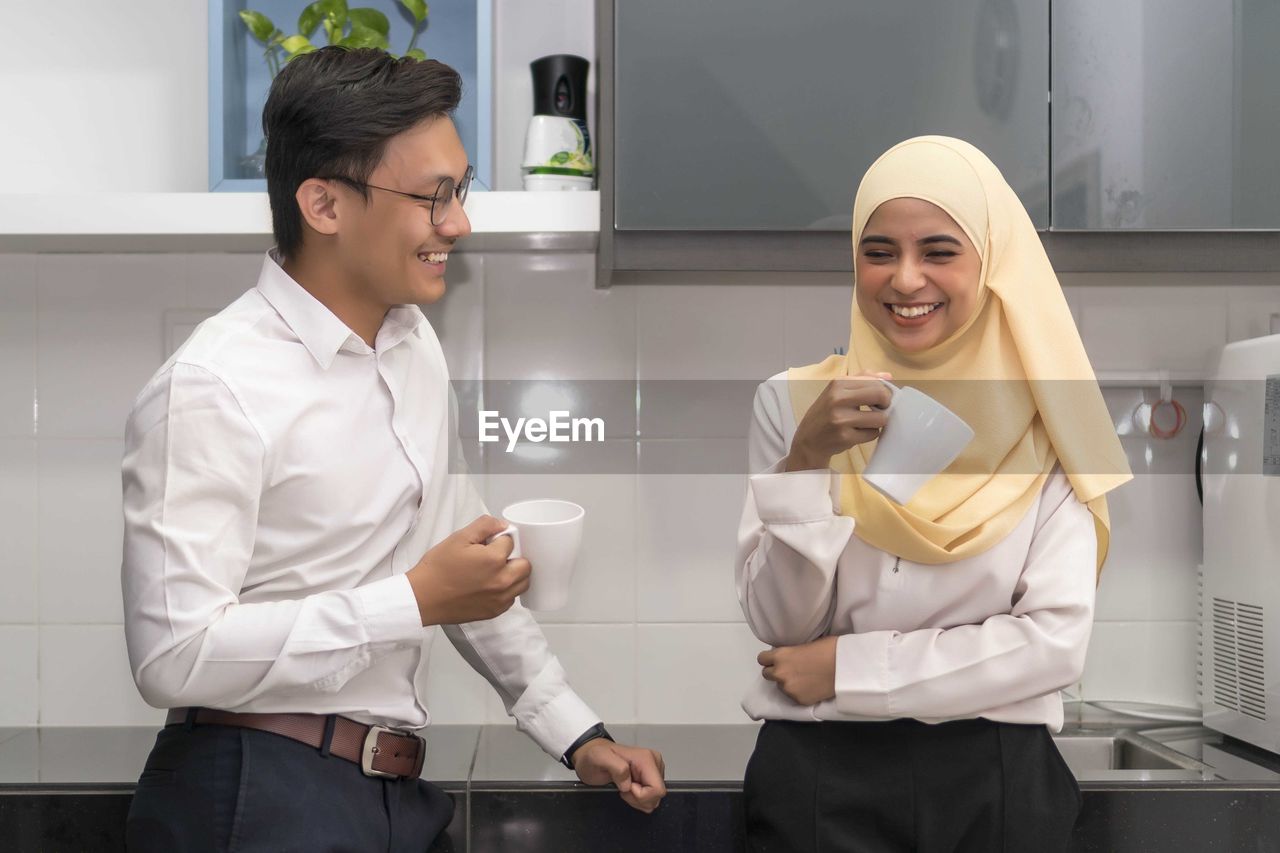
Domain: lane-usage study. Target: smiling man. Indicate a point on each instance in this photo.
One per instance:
(293, 529)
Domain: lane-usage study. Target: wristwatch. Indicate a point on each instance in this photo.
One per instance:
(596, 731)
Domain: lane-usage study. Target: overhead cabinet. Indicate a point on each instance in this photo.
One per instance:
(734, 132)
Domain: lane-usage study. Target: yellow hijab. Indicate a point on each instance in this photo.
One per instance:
(1019, 344)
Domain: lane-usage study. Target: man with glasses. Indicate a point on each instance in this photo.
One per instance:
(294, 528)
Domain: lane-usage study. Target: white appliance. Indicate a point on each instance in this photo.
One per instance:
(1240, 580)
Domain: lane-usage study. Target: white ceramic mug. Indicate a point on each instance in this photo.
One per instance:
(548, 534)
(921, 438)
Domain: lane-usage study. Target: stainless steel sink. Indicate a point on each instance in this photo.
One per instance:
(1123, 755)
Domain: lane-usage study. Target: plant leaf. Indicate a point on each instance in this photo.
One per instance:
(307, 48)
(417, 53)
(371, 18)
(259, 25)
(294, 45)
(310, 19)
(417, 8)
(362, 36)
(335, 10)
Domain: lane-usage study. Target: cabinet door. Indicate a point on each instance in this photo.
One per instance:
(1166, 114)
(758, 114)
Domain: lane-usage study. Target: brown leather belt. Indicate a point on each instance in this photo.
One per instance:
(379, 750)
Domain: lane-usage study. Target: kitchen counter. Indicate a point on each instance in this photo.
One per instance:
(69, 788)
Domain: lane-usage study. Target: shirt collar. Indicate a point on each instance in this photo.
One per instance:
(318, 328)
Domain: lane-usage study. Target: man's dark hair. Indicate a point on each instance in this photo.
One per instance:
(330, 114)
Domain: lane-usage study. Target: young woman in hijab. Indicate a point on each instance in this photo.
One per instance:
(912, 688)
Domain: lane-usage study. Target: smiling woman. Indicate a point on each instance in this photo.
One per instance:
(917, 273)
(919, 648)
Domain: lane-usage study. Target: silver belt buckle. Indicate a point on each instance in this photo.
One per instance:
(370, 750)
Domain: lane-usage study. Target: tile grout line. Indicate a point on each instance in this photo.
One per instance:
(635, 507)
(471, 769)
(35, 429)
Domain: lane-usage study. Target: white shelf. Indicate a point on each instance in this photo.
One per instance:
(180, 221)
(1148, 378)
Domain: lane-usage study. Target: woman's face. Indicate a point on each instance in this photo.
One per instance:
(917, 273)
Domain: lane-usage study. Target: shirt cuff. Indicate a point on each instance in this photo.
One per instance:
(556, 723)
(862, 674)
(390, 611)
(795, 497)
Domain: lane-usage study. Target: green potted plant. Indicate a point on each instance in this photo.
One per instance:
(360, 27)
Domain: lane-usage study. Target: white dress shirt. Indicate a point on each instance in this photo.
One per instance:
(280, 476)
(995, 635)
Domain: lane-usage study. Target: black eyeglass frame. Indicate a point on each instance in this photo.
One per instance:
(459, 191)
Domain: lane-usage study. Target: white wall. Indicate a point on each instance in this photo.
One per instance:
(79, 334)
(104, 97)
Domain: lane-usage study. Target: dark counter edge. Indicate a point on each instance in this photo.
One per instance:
(687, 787)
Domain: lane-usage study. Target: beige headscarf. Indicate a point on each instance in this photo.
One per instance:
(1020, 343)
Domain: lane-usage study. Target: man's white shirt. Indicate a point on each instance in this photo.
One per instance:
(280, 477)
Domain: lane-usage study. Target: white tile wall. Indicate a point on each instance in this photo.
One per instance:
(704, 331)
(1253, 312)
(553, 299)
(81, 531)
(817, 318)
(1142, 662)
(85, 679)
(20, 700)
(601, 663)
(216, 279)
(17, 345)
(458, 316)
(687, 534)
(1128, 327)
(695, 673)
(18, 490)
(455, 693)
(654, 633)
(95, 304)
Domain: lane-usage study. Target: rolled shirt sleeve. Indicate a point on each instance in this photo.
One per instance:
(790, 538)
(511, 653)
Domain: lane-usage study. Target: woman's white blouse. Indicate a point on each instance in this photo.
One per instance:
(994, 636)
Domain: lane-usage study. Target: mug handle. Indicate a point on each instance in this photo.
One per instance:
(893, 390)
(514, 533)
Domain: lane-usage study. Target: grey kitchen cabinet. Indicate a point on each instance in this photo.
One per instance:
(761, 115)
(733, 133)
(1166, 114)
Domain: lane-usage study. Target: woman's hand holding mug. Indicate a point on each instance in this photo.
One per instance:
(849, 411)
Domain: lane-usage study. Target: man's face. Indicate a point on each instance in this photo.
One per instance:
(389, 248)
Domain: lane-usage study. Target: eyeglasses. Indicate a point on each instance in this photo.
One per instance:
(445, 192)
